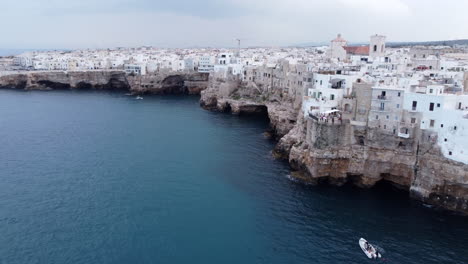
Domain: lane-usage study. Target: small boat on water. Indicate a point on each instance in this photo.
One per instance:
(139, 98)
(370, 250)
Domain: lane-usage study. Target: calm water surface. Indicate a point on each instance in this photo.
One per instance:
(103, 178)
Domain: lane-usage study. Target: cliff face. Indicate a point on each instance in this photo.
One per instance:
(161, 83)
(99, 80)
(238, 98)
(169, 83)
(340, 153)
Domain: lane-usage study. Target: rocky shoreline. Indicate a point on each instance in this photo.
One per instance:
(160, 83)
(341, 153)
(317, 152)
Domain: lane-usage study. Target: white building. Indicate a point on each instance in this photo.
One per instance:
(337, 50)
(444, 114)
(137, 69)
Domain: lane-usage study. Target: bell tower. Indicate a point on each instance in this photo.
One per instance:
(377, 46)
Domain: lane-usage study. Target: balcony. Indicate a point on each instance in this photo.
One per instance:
(382, 98)
(379, 109)
(403, 135)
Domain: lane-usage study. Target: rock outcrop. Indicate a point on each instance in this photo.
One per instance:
(239, 98)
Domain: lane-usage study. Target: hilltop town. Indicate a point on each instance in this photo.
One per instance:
(340, 112)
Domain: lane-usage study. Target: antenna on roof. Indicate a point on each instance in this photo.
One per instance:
(238, 47)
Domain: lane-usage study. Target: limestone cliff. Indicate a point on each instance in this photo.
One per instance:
(169, 83)
(159, 83)
(231, 95)
(83, 80)
(340, 153)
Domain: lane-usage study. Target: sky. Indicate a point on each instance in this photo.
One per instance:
(70, 24)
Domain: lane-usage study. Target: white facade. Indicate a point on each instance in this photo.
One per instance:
(337, 50)
(445, 114)
(206, 64)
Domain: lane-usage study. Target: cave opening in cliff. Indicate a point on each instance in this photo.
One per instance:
(228, 108)
(387, 185)
(174, 84)
(258, 111)
(84, 86)
(54, 85)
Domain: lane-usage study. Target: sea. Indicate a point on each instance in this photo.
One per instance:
(99, 177)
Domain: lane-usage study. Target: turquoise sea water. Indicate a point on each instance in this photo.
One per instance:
(103, 178)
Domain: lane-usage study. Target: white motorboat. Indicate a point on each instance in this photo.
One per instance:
(139, 98)
(370, 250)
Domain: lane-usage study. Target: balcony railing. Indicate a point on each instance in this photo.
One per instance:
(403, 135)
(379, 109)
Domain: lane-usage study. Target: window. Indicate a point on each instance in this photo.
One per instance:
(415, 104)
(384, 93)
(399, 94)
(388, 117)
(441, 125)
(438, 105)
(432, 122)
(376, 117)
(397, 105)
(445, 139)
(375, 48)
(332, 97)
(382, 106)
(455, 128)
(431, 91)
(450, 153)
(385, 127)
(431, 107)
(396, 118)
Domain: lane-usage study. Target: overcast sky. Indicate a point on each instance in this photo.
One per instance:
(185, 23)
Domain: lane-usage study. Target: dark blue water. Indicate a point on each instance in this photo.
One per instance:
(103, 178)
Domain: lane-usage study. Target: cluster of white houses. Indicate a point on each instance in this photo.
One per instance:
(396, 90)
